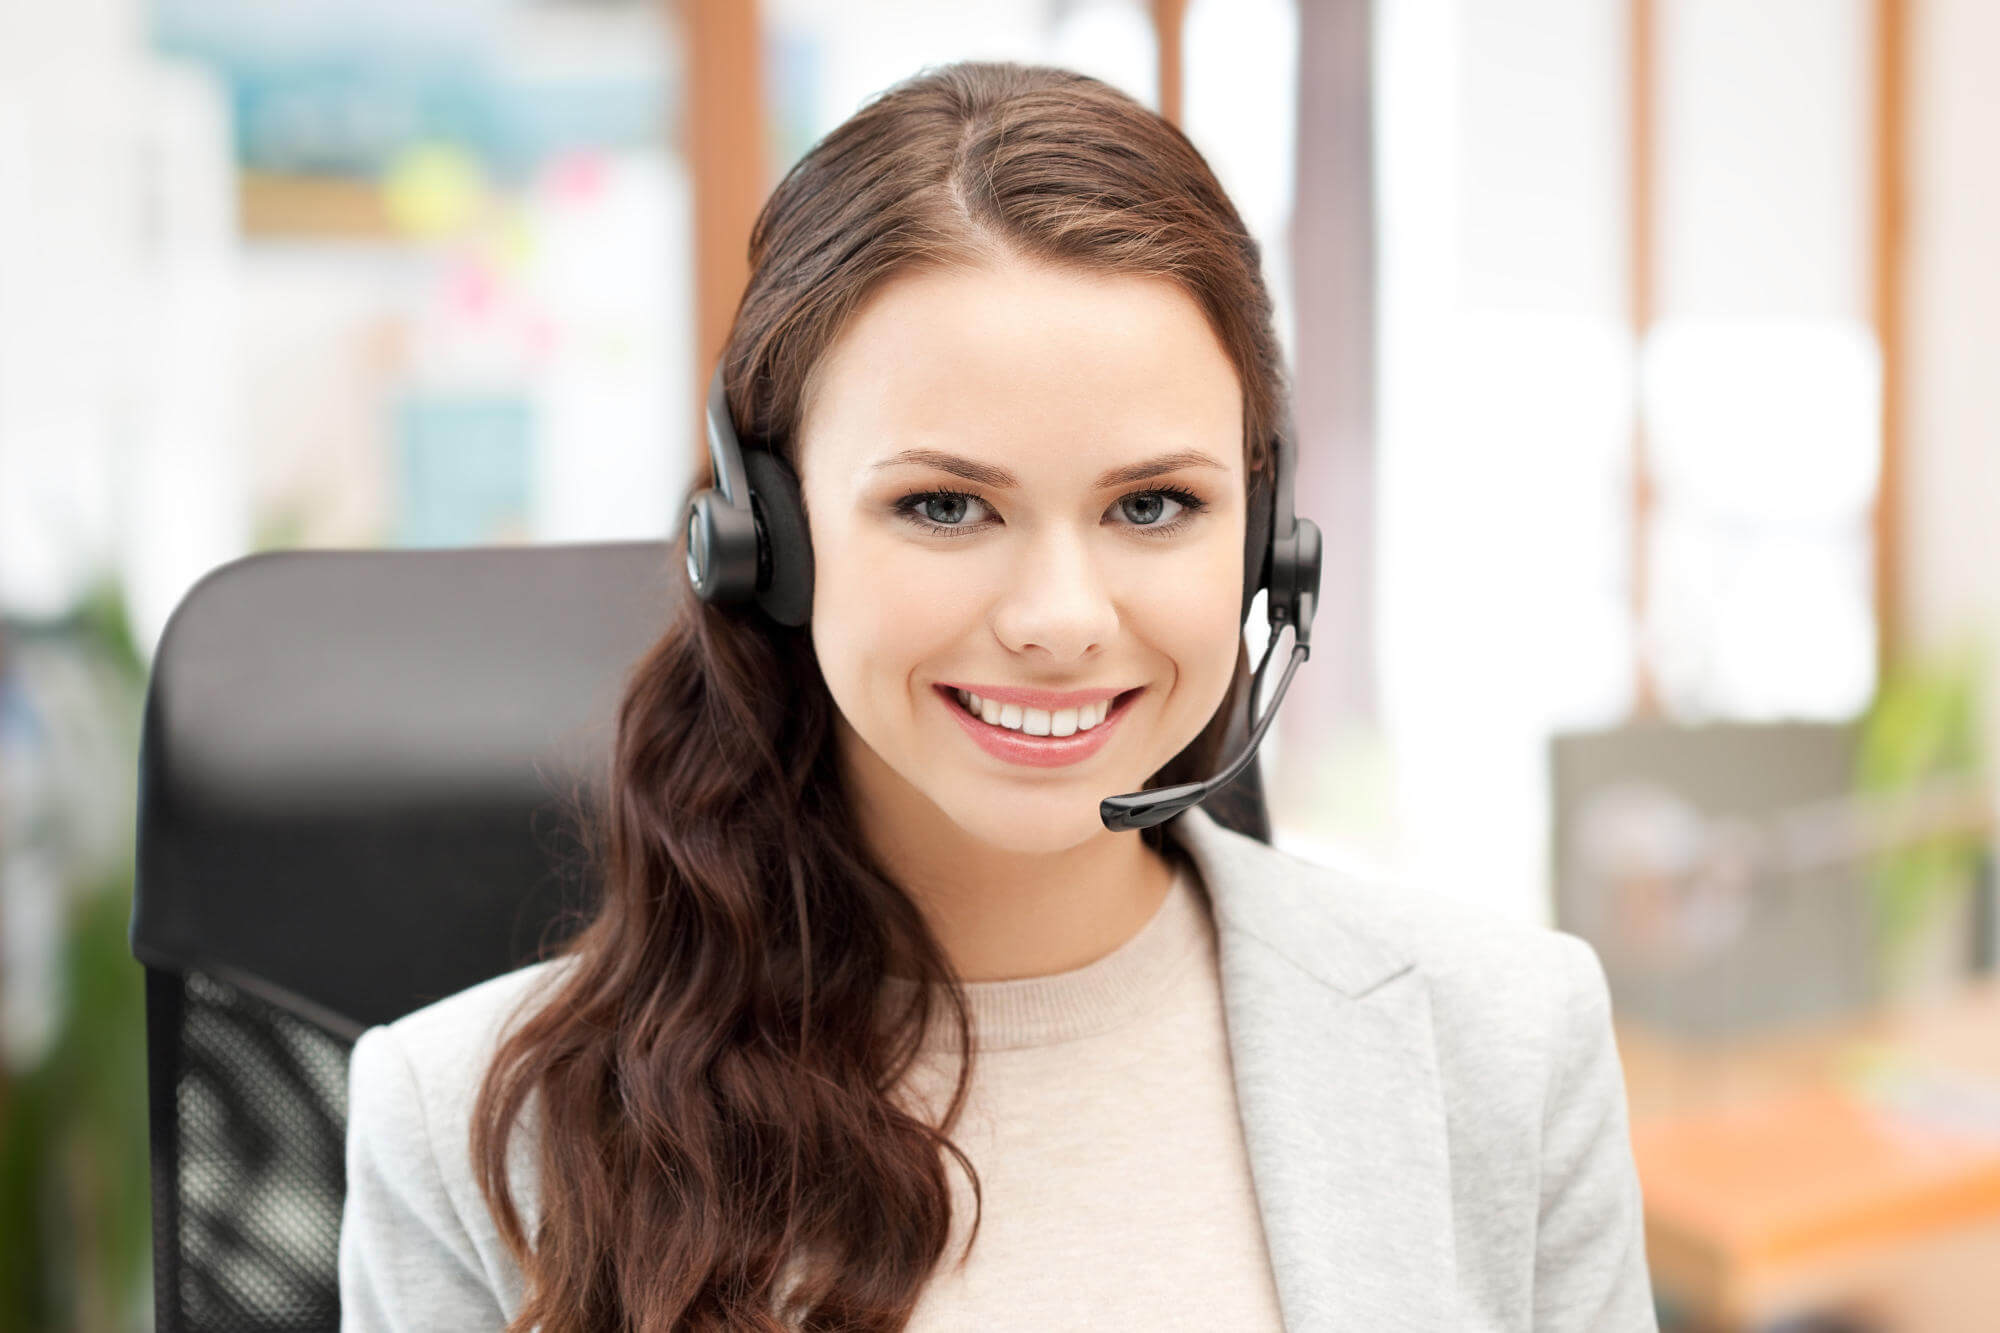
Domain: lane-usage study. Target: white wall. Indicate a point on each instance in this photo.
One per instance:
(1951, 507)
(118, 436)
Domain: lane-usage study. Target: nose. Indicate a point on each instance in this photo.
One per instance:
(1057, 600)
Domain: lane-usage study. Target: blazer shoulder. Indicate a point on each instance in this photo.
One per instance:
(1513, 1004)
(1532, 1093)
(1448, 934)
(1356, 924)
(447, 1046)
(419, 1249)
(451, 1042)
(1492, 977)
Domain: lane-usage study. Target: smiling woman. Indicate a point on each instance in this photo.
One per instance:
(1007, 348)
(1013, 340)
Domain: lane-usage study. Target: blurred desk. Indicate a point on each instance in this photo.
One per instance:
(1851, 1166)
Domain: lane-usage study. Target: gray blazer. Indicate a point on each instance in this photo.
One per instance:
(1430, 1095)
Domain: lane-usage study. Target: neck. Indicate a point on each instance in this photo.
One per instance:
(1034, 916)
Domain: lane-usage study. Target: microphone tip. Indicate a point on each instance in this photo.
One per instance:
(1143, 809)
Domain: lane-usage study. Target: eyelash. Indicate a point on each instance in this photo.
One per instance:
(1191, 505)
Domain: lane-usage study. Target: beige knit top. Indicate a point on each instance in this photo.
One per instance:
(1102, 1121)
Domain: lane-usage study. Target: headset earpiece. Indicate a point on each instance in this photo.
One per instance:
(786, 588)
(746, 535)
(1285, 547)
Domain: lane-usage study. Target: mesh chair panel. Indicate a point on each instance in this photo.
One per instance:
(256, 1181)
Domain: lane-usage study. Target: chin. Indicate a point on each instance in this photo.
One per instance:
(1031, 824)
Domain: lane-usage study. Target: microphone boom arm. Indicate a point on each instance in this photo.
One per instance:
(1143, 809)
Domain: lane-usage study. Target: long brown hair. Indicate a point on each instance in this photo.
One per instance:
(713, 1074)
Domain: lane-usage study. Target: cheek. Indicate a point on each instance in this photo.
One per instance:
(1199, 623)
(879, 609)
(1194, 621)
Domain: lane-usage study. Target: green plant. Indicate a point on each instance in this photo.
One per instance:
(75, 1202)
(1926, 722)
(75, 1222)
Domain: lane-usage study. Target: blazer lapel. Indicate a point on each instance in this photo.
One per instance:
(1330, 1035)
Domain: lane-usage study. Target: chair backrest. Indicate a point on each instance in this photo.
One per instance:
(353, 779)
(356, 776)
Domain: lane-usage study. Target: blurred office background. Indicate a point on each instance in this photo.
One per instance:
(1645, 353)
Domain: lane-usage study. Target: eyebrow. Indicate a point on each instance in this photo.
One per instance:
(987, 474)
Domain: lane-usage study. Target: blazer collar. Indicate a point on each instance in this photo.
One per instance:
(1330, 1038)
(1298, 909)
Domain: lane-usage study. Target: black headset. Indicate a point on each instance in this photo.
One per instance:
(747, 541)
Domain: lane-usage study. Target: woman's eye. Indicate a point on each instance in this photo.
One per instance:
(940, 512)
(1145, 509)
(945, 508)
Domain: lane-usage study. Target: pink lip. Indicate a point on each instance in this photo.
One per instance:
(1018, 747)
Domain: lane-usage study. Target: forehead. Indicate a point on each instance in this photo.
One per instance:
(1027, 364)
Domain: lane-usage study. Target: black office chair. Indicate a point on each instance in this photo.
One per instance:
(356, 778)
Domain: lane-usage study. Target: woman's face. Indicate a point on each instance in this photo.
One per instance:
(959, 461)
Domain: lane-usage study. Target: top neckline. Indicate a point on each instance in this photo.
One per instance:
(1101, 995)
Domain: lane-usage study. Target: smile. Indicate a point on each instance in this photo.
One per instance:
(1021, 744)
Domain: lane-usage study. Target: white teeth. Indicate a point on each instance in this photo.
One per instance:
(1035, 721)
